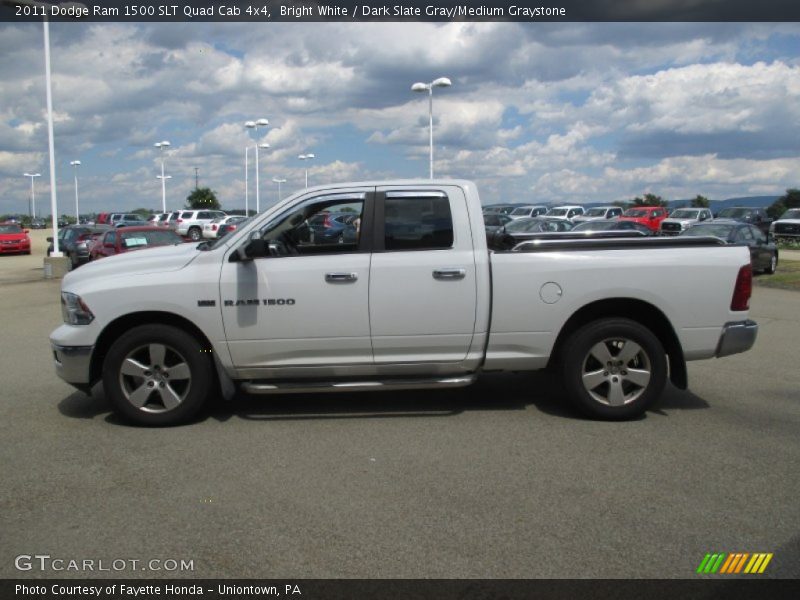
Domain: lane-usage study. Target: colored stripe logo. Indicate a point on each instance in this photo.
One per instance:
(734, 563)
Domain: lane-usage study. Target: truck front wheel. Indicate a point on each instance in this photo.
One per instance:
(614, 369)
(157, 375)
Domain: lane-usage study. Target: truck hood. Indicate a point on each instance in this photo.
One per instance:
(136, 262)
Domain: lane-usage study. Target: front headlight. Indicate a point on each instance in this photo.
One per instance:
(74, 310)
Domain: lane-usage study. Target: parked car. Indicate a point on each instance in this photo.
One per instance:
(189, 223)
(231, 226)
(328, 228)
(528, 210)
(72, 242)
(14, 239)
(681, 219)
(127, 218)
(493, 222)
(565, 212)
(612, 225)
(598, 213)
(521, 230)
(763, 253)
(788, 225)
(746, 214)
(156, 218)
(502, 209)
(103, 218)
(211, 230)
(38, 224)
(649, 216)
(130, 221)
(127, 239)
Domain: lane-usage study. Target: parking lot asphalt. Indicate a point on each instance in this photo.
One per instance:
(496, 480)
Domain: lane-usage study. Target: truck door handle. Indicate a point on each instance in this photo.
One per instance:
(340, 277)
(449, 273)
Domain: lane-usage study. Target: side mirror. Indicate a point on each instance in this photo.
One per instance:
(26, 231)
(50, 239)
(255, 248)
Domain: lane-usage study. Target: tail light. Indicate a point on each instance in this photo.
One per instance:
(213, 228)
(743, 289)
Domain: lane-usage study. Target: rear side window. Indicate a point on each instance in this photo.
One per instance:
(417, 223)
(187, 215)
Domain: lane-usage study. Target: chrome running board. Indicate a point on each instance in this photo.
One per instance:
(260, 387)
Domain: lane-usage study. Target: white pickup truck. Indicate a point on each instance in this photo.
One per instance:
(391, 285)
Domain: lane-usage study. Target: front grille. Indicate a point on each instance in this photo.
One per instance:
(671, 226)
(10, 241)
(787, 228)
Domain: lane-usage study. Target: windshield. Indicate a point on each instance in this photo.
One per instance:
(791, 214)
(719, 230)
(523, 225)
(143, 239)
(596, 212)
(596, 226)
(733, 213)
(11, 228)
(683, 213)
(635, 212)
(522, 211)
(557, 212)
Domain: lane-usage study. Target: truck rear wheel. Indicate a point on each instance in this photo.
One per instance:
(157, 375)
(614, 369)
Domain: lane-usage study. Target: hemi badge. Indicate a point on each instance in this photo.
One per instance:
(206, 303)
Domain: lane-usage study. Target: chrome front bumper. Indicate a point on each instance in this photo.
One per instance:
(72, 364)
(738, 336)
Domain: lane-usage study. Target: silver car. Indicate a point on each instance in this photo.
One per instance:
(681, 219)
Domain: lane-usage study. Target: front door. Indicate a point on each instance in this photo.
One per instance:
(303, 310)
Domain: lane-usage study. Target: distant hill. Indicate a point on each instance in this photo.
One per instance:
(716, 205)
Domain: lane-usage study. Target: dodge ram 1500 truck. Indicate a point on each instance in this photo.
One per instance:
(391, 285)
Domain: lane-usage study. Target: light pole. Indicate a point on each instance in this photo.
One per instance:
(246, 200)
(76, 164)
(255, 125)
(263, 146)
(279, 181)
(306, 157)
(428, 87)
(161, 146)
(33, 195)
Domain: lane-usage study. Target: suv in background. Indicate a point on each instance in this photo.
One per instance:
(190, 222)
(681, 219)
(565, 212)
(527, 210)
(788, 225)
(599, 213)
(649, 216)
(747, 214)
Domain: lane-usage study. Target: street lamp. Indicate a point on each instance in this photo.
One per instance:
(428, 87)
(246, 200)
(255, 125)
(161, 146)
(76, 164)
(306, 157)
(33, 195)
(279, 181)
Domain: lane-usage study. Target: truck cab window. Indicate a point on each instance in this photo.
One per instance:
(423, 223)
(321, 225)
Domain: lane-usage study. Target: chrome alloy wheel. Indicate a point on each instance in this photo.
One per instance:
(155, 378)
(616, 371)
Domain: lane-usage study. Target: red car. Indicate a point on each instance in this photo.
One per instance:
(649, 216)
(126, 239)
(14, 238)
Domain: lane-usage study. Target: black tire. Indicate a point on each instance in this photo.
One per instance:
(172, 392)
(773, 264)
(627, 383)
(195, 234)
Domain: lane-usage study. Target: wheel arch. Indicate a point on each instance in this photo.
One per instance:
(122, 324)
(637, 310)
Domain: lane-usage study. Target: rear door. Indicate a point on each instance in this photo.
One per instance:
(422, 294)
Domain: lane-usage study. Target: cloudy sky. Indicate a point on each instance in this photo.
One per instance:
(578, 112)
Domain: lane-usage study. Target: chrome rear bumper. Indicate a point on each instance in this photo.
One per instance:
(738, 336)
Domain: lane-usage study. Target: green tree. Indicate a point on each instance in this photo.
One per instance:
(791, 199)
(700, 202)
(649, 200)
(202, 198)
